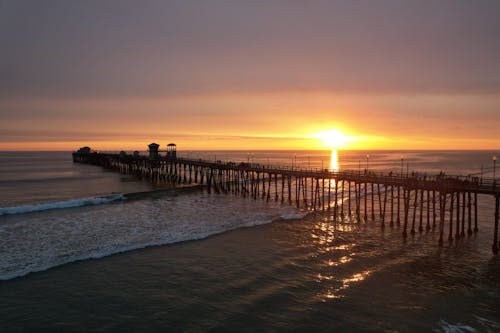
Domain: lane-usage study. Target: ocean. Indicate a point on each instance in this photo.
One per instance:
(77, 255)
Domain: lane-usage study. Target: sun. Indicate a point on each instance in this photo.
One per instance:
(333, 139)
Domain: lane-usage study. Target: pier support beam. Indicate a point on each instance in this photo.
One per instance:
(495, 232)
(475, 212)
(450, 235)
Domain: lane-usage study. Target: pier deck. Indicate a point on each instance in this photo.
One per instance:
(441, 201)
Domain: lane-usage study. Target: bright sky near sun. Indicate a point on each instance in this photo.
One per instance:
(250, 74)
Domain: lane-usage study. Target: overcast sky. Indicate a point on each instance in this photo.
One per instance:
(427, 67)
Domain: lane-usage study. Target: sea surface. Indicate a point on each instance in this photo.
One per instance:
(76, 255)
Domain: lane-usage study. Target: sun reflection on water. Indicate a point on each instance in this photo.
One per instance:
(334, 161)
(335, 274)
(323, 235)
(335, 292)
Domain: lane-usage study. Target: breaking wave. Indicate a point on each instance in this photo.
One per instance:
(37, 242)
(61, 204)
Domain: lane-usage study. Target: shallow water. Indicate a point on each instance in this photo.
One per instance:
(307, 274)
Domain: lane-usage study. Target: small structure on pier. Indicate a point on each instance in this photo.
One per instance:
(172, 150)
(84, 150)
(153, 151)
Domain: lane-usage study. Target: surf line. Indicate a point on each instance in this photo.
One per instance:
(101, 200)
(162, 192)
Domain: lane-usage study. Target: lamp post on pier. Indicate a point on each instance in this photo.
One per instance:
(367, 158)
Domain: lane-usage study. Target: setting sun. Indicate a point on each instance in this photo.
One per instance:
(333, 139)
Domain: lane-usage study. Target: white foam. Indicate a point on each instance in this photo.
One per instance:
(32, 243)
(293, 215)
(454, 328)
(60, 204)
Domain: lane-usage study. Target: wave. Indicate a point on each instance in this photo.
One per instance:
(16, 181)
(38, 243)
(72, 203)
(61, 204)
(294, 215)
(444, 326)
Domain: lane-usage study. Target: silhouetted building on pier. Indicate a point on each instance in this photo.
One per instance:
(153, 151)
(171, 150)
(84, 150)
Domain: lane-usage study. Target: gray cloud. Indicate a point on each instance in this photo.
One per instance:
(161, 48)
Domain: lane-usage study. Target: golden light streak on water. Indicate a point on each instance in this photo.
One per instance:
(334, 166)
(334, 161)
(336, 292)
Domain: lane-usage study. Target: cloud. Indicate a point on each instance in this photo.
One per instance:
(119, 49)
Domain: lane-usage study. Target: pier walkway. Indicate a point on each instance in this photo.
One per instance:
(416, 201)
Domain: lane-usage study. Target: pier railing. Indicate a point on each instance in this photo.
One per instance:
(407, 198)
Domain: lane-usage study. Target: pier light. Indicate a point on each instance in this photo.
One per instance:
(367, 158)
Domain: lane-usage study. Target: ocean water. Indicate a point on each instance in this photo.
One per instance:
(76, 255)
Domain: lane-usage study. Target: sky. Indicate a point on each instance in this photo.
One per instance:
(234, 74)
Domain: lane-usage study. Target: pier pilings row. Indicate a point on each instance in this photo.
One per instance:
(415, 202)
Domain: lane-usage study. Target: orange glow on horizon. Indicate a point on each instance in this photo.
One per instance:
(259, 121)
(214, 142)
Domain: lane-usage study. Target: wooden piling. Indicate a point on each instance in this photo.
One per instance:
(428, 223)
(414, 213)
(462, 234)
(398, 220)
(406, 202)
(495, 245)
(469, 208)
(420, 227)
(392, 206)
(372, 201)
(475, 212)
(450, 235)
(457, 232)
(442, 211)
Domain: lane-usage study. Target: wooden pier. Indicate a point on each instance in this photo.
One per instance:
(415, 202)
